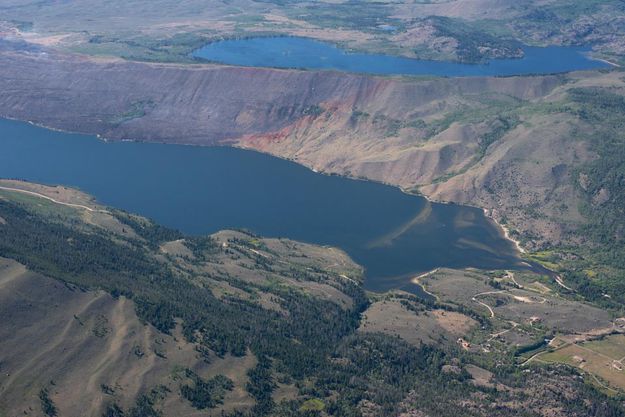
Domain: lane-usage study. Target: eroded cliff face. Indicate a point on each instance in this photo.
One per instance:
(212, 104)
(195, 105)
(478, 141)
(440, 147)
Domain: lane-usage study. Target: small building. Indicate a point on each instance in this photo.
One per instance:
(464, 343)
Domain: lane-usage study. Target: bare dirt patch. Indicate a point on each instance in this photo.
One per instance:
(176, 248)
(481, 376)
(455, 323)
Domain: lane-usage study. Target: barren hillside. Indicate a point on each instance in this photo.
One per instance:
(90, 350)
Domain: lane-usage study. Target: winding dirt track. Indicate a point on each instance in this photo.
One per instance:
(492, 312)
(561, 283)
(80, 206)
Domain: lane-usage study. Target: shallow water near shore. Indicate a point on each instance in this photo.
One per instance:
(201, 190)
(296, 52)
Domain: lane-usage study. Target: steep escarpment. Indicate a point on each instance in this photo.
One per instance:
(205, 104)
(512, 146)
(498, 143)
(200, 105)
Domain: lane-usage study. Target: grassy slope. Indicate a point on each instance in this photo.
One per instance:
(89, 351)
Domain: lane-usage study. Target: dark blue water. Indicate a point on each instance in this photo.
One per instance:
(294, 52)
(201, 190)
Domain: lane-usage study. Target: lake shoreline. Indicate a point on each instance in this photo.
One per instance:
(505, 232)
(504, 229)
(295, 52)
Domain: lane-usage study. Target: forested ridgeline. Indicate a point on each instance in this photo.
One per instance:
(596, 267)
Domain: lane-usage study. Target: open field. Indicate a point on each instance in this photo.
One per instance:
(60, 195)
(602, 358)
(509, 302)
(437, 327)
(612, 346)
(66, 203)
(314, 270)
(520, 307)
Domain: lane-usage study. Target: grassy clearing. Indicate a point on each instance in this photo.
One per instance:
(314, 404)
(612, 346)
(546, 258)
(41, 206)
(601, 358)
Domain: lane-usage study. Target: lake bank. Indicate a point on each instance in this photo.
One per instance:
(304, 53)
(224, 188)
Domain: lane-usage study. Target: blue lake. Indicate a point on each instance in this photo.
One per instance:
(200, 190)
(295, 52)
